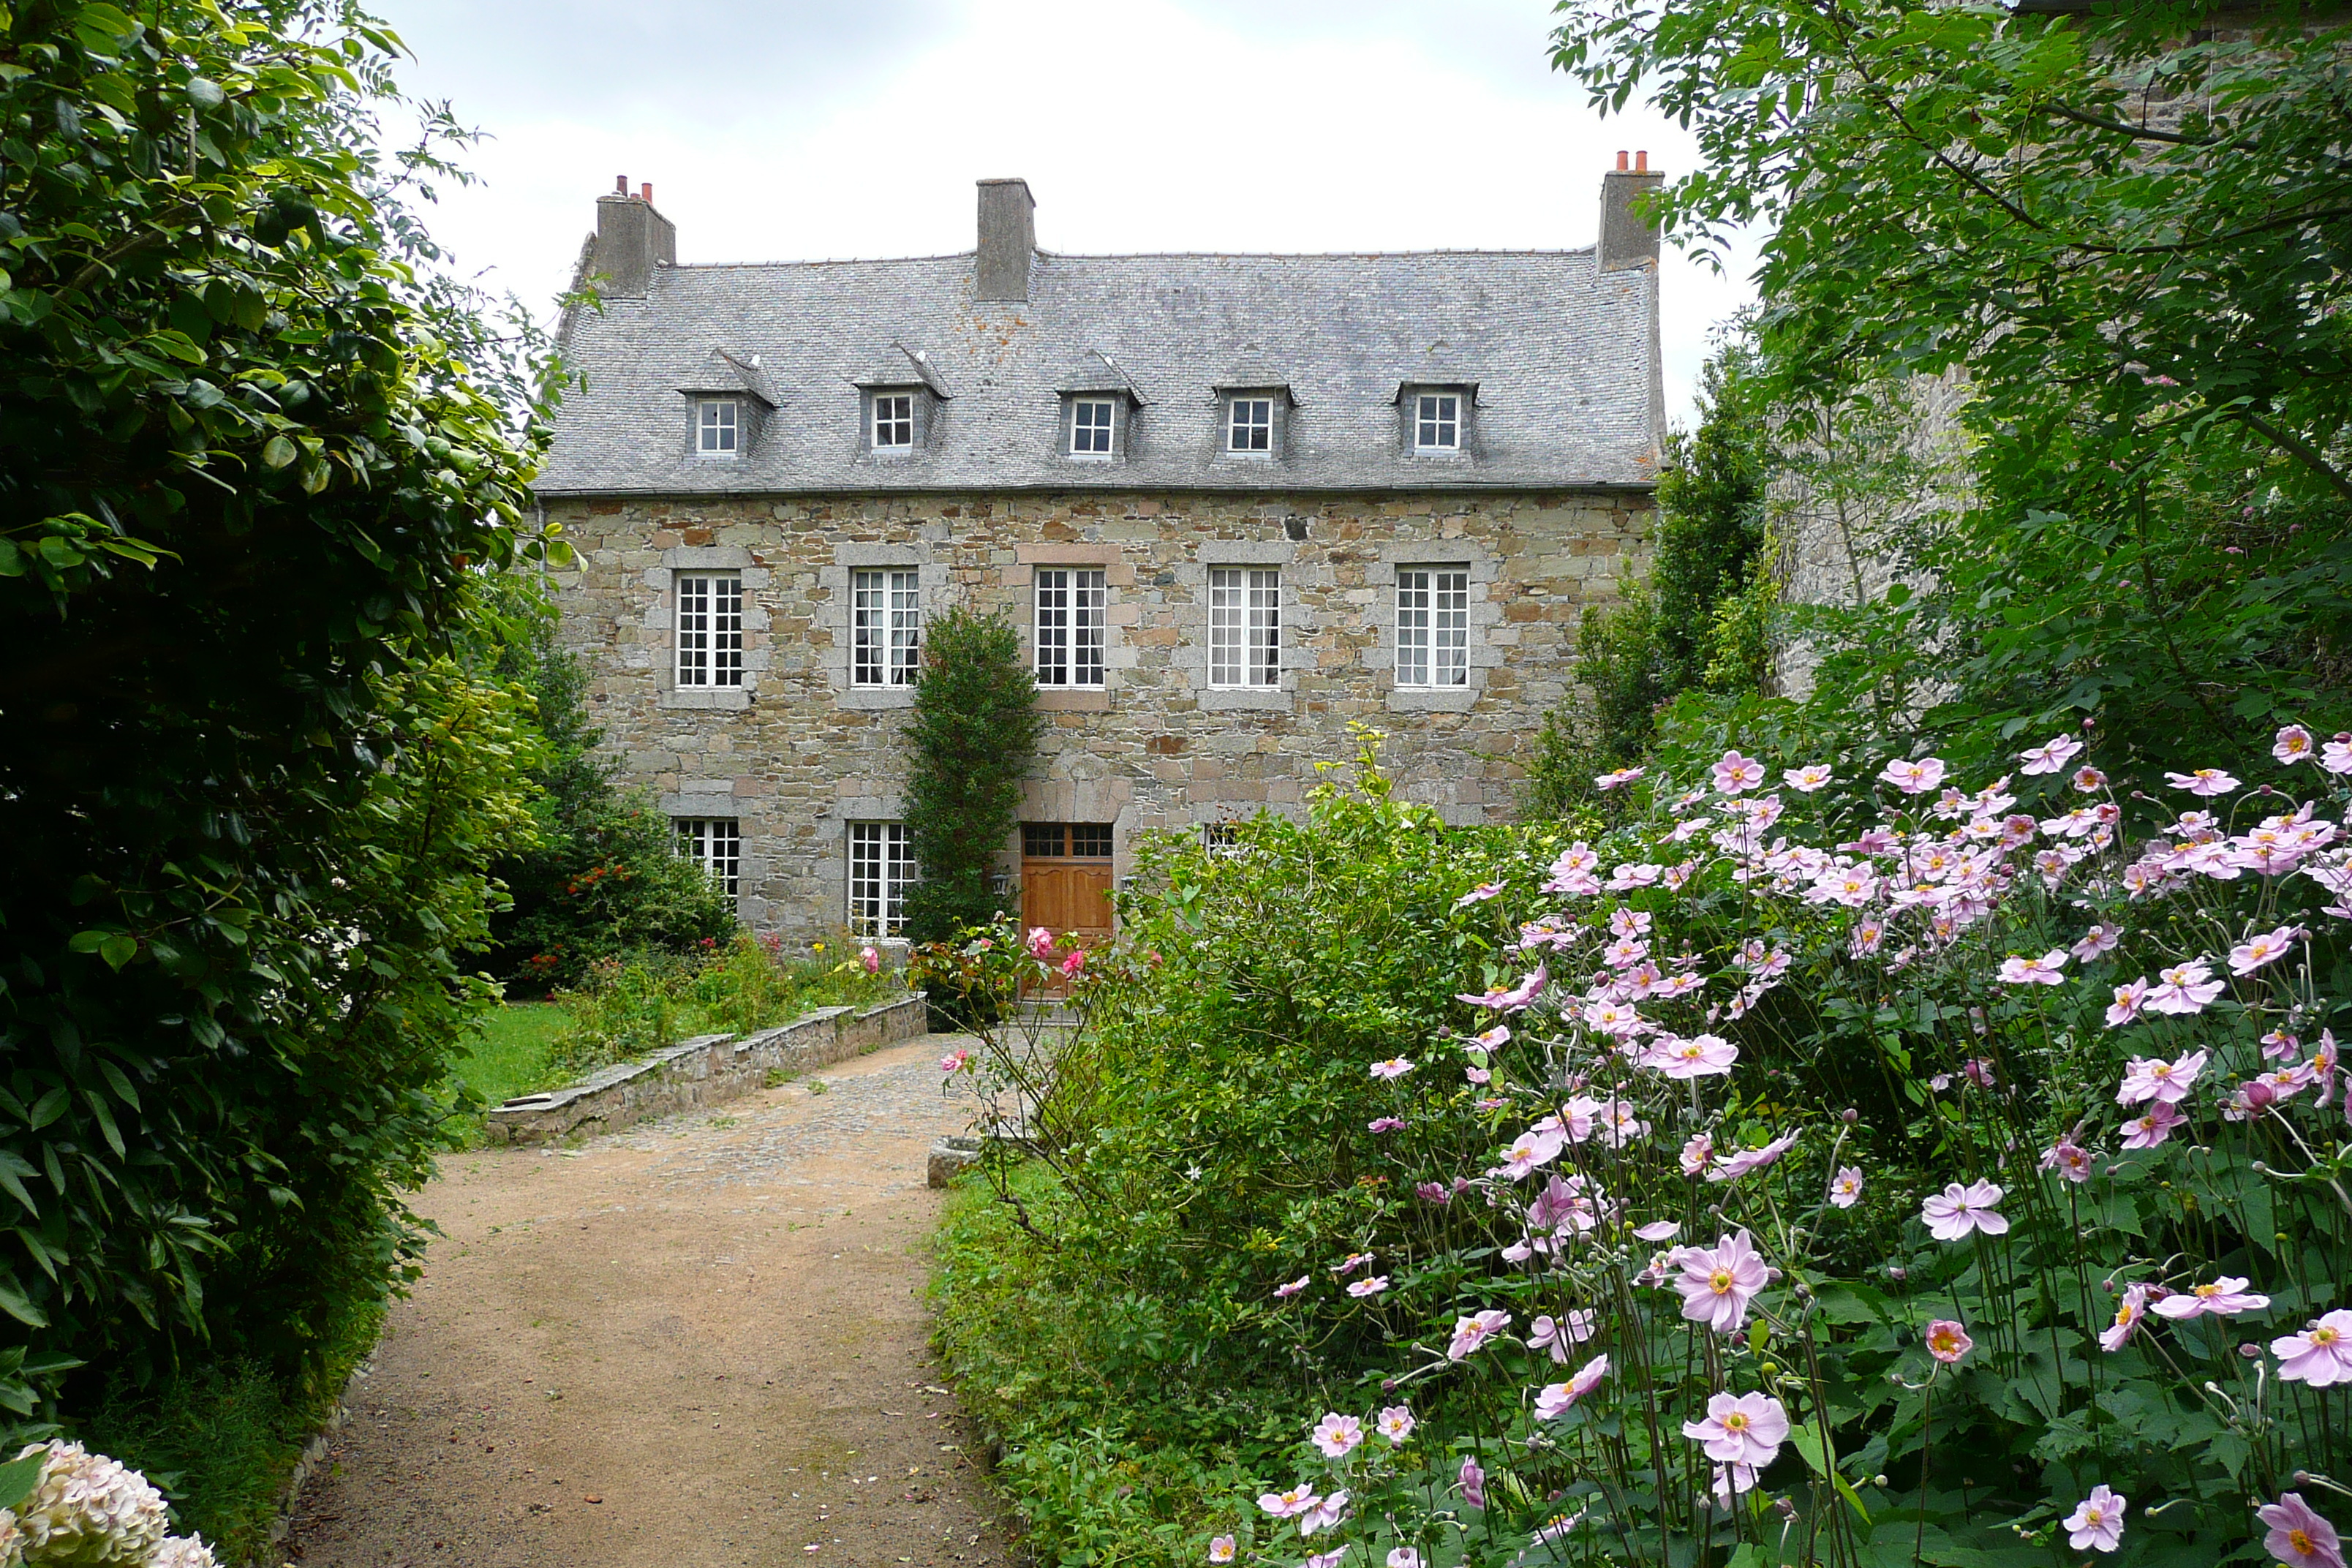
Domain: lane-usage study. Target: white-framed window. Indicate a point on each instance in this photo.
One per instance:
(715, 843)
(1219, 840)
(886, 626)
(1091, 421)
(718, 428)
(710, 629)
(1437, 422)
(1433, 625)
(881, 869)
(1249, 425)
(1244, 626)
(894, 421)
(1070, 604)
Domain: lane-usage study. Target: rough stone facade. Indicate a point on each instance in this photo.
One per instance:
(797, 754)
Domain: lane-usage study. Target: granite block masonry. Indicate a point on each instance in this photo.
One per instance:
(799, 752)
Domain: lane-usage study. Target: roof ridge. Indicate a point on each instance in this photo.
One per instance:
(1139, 255)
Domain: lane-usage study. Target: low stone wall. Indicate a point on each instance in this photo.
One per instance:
(704, 1070)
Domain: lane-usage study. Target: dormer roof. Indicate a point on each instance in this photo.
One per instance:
(901, 366)
(1096, 372)
(720, 373)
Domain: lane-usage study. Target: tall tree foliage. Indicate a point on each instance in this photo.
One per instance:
(970, 741)
(2129, 225)
(248, 449)
(1698, 621)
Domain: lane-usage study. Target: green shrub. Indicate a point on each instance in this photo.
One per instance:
(969, 743)
(630, 1007)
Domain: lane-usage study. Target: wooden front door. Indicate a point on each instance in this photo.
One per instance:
(1066, 879)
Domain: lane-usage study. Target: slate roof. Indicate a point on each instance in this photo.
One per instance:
(1564, 359)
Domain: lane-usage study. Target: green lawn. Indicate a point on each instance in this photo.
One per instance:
(510, 1053)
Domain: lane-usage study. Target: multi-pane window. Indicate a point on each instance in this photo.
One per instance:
(716, 432)
(715, 843)
(1244, 626)
(1250, 425)
(1219, 838)
(1069, 626)
(1433, 630)
(1090, 427)
(881, 869)
(894, 421)
(886, 626)
(1437, 422)
(1066, 840)
(710, 629)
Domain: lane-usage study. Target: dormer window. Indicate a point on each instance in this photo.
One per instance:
(1437, 422)
(1092, 422)
(1249, 425)
(718, 428)
(894, 421)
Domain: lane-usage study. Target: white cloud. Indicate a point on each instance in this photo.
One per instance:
(802, 130)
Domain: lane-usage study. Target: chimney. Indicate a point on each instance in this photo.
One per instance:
(1008, 238)
(1627, 239)
(631, 238)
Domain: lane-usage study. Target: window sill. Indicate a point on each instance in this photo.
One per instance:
(877, 697)
(1090, 457)
(1431, 699)
(1073, 698)
(717, 699)
(1243, 698)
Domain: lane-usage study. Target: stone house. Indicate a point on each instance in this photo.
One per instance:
(1232, 502)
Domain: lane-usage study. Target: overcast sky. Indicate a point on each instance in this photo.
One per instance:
(792, 130)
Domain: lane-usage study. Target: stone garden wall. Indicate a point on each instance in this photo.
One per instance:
(704, 1070)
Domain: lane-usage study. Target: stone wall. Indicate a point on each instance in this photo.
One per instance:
(798, 752)
(704, 1070)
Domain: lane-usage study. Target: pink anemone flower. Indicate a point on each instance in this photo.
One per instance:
(2298, 1536)
(1748, 1430)
(2320, 1353)
(2097, 1521)
(1718, 1282)
(1957, 1211)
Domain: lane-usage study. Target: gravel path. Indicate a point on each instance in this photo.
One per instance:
(697, 1344)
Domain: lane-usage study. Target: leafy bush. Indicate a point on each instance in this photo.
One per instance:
(1982, 1149)
(603, 877)
(974, 726)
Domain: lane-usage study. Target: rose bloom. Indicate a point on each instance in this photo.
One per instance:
(1041, 941)
(1221, 1548)
(1957, 1210)
(2097, 1521)
(2298, 1536)
(1717, 1283)
(1748, 1430)
(2129, 1310)
(1395, 1422)
(2225, 1296)
(1847, 1188)
(1338, 1436)
(2321, 1355)
(1475, 1330)
(954, 1061)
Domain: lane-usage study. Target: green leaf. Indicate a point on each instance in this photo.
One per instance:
(12, 560)
(120, 1084)
(19, 1476)
(50, 1106)
(118, 949)
(277, 451)
(13, 1169)
(18, 1306)
(105, 1115)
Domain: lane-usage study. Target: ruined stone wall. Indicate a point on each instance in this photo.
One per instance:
(799, 752)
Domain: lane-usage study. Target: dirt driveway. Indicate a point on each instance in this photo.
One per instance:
(699, 1344)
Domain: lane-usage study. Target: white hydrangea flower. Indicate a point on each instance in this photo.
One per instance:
(12, 1540)
(182, 1552)
(87, 1511)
